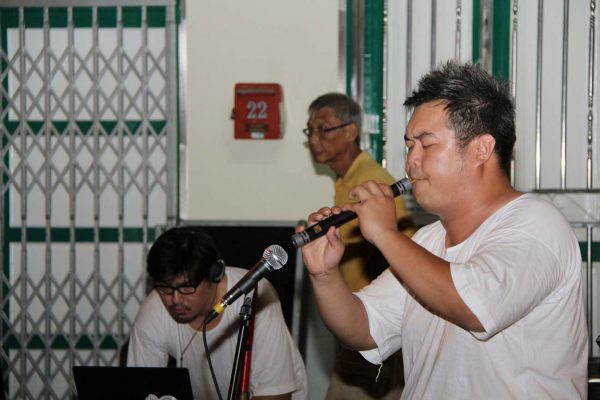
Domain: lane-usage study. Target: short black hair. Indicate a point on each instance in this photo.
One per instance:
(182, 251)
(344, 108)
(476, 104)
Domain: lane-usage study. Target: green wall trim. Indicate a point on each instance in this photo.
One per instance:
(86, 128)
(82, 235)
(108, 342)
(82, 17)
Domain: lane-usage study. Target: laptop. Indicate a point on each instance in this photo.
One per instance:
(102, 383)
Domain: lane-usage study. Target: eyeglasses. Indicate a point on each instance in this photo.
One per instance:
(183, 289)
(322, 131)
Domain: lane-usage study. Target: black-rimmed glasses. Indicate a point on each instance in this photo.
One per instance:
(321, 131)
(183, 289)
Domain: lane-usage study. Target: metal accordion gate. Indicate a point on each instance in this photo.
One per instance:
(88, 172)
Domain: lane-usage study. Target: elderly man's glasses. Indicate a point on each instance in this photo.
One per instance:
(183, 289)
(322, 131)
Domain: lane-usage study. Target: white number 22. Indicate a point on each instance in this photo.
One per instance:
(258, 110)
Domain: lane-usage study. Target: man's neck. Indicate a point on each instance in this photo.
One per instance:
(342, 164)
(198, 322)
(468, 215)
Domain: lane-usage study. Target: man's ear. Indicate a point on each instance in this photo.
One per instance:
(351, 132)
(484, 147)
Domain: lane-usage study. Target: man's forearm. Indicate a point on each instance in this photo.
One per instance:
(342, 312)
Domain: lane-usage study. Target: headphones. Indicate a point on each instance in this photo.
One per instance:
(217, 270)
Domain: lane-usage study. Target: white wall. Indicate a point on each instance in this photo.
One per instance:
(293, 43)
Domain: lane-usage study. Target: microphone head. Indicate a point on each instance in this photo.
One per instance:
(275, 256)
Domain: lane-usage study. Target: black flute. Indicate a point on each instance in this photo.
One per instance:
(320, 228)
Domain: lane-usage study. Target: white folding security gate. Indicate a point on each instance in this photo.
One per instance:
(88, 171)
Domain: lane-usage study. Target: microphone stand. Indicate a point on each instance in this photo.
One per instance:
(245, 314)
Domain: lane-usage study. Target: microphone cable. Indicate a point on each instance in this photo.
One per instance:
(210, 365)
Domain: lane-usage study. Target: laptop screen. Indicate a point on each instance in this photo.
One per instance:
(100, 383)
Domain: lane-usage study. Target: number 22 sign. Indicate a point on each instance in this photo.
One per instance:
(258, 111)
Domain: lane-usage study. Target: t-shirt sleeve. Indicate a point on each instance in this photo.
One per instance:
(510, 274)
(274, 354)
(384, 300)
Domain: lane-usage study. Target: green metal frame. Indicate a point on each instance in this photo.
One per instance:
(348, 45)
(583, 246)
(372, 75)
(500, 37)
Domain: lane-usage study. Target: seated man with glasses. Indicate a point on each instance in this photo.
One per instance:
(333, 131)
(189, 279)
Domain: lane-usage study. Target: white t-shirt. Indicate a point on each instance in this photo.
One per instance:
(520, 274)
(276, 367)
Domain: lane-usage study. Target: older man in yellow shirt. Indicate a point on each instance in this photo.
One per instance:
(333, 131)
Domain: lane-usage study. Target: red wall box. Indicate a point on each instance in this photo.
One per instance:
(258, 111)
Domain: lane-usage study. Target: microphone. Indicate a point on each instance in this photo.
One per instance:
(274, 257)
(320, 228)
